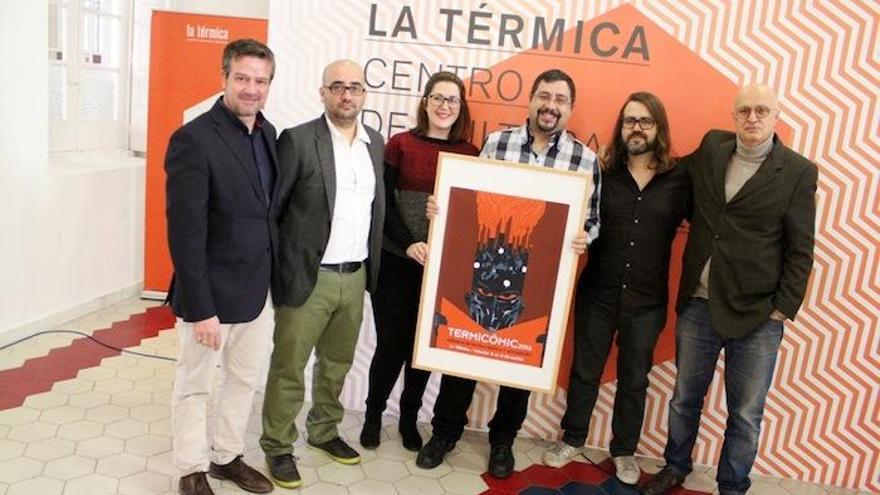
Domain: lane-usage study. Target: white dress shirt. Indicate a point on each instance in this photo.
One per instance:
(355, 189)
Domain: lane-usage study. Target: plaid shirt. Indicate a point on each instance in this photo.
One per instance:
(564, 152)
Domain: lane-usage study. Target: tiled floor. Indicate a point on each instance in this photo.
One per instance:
(72, 423)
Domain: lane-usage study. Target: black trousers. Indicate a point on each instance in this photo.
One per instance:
(595, 327)
(454, 399)
(396, 309)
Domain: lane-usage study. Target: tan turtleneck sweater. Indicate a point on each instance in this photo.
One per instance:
(743, 165)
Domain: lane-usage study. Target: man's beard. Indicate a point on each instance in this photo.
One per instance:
(640, 148)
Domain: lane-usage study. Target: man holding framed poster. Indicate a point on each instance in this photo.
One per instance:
(492, 327)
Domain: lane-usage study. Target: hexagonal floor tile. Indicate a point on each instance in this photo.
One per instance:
(80, 430)
(49, 449)
(20, 469)
(46, 400)
(107, 414)
(100, 447)
(372, 487)
(126, 428)
(385, 470)
(32, 432)
(10, 449)
(121, 465)
(89, 399)
(73, 386)
(340, 474)
(41, 486)
(113, 385)
(459, 482)
(93, 484)
(96, 373)
(18, 416)
(69, 467)
(131, 398)
(148, 445)
(145, 483)
(150, 412)
(417, 484)
(62, 414)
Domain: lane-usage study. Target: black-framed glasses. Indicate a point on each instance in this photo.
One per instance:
(438, 100)
(743, 113)
(338, 88)
(645, 123)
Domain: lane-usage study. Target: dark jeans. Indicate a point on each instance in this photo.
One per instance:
(396, 309)
(595, 328)
(454, 399)
(748, 370)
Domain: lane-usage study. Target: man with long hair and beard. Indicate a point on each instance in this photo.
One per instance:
(624, 290)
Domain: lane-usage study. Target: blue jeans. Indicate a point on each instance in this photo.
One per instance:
(748, 371)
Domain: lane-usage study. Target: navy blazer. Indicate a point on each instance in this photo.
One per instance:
(305, 202)
(222, 233)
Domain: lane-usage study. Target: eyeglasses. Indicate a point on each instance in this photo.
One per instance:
(645, 123)
(339, 88)
(438, 100)
(743, 113)
(561, 100)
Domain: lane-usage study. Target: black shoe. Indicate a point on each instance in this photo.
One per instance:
(409, 433)
(431, 455)
(662, 482)
(370, 434)
(246, 477)
(501, 461)
(282, 469)
(338, 450)
(195, 484)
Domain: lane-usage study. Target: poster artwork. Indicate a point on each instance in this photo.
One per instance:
(497, 276)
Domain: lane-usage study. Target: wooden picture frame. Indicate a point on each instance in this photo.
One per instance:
(500, 272)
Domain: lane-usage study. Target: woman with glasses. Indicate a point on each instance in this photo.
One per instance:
(443, 124)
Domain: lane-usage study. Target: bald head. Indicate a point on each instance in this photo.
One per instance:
(755, 111)
(341, 65)
(343, 92)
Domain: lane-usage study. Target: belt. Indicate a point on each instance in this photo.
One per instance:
(347, 267)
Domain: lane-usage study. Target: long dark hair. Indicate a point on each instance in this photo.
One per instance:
(617, 151)
(462, 129)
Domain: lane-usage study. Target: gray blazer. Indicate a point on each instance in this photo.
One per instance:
(305, 209)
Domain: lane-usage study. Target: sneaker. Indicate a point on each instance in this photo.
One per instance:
(560, 454)
(662, 482)
(246, 477)
(282, 469)
(627, 467)
(338, 450)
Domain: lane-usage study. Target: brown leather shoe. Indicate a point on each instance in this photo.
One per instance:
(246, 477)
(662, 482)
(195, 484)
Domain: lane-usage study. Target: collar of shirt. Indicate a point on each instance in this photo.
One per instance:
(258, 121)
(526, 137)
(360, 135)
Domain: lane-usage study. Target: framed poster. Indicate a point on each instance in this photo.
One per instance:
(500, 272)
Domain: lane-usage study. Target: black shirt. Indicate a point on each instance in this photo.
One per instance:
(628, 265)
(257, 148)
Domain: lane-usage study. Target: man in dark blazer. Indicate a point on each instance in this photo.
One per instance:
(746, 266)
(331, 213)
(221, 170)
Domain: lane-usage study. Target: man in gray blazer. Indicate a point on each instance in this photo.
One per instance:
(331, 212)
(745, 271)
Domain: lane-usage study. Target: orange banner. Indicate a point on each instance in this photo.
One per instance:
(185, 79)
